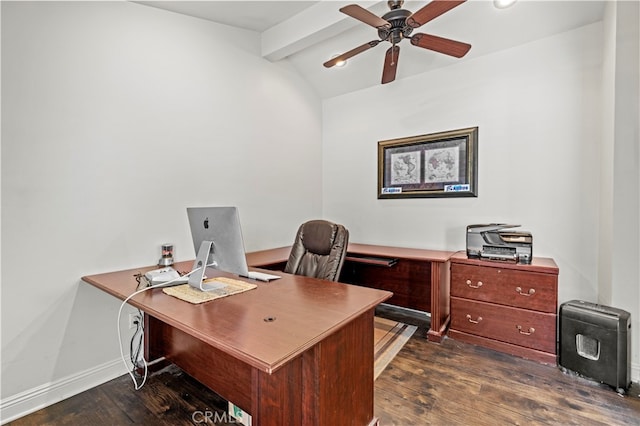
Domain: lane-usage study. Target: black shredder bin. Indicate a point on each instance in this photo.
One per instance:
(595, 342)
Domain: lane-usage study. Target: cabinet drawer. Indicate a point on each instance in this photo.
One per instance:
(528, 290)
(536, 330)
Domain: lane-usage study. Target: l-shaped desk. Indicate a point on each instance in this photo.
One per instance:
(298, 350)
(418, 278)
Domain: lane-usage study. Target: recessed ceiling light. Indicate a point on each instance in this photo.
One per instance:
(503, 4)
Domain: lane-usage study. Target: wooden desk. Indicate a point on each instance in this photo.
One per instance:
(418, 278)
(311, 365)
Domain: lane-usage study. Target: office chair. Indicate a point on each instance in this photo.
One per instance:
(318, 250)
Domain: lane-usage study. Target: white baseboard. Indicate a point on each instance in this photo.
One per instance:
(31, 400)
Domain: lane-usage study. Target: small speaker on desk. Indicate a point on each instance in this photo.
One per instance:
(595, 342)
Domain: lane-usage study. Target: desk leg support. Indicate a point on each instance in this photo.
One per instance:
(440, 300)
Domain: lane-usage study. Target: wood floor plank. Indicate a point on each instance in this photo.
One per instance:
(451, 383)
(532, 386)
(512, 390)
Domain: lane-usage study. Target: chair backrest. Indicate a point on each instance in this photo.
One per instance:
(318, 250)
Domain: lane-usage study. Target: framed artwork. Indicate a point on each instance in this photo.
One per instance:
(435, 165)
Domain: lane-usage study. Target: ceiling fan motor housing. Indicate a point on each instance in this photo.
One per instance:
(399, 29)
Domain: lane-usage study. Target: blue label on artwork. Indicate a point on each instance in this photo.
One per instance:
(457, 188)
(391, 190)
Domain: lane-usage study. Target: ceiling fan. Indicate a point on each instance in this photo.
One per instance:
(398, 24)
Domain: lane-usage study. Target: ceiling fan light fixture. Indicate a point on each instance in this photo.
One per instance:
(503, 4)
(339, 64)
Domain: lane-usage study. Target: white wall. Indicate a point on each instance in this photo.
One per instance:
(625, 137)
(116, 117)
(539, 109)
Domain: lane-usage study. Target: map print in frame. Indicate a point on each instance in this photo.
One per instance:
(434, 165)
(441, 164)
(405, 168)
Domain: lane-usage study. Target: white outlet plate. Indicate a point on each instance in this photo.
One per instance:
(132, 319)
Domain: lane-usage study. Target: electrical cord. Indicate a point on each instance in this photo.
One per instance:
(140, 327)
(138, 337)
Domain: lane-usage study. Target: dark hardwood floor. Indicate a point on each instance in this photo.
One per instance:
(460, 385)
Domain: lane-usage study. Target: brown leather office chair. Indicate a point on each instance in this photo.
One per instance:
(318, 250)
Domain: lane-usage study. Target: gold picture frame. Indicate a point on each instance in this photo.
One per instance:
(441, 164)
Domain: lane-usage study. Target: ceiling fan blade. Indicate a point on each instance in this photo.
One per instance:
(353, 52)
(431, 11)
(390, 64)
(439, 44)
(363, 15)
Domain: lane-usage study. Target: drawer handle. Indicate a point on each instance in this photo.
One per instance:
(474, 286)
(531, 291)
(473, 321)
(526, 333)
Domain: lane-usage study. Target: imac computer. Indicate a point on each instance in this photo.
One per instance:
(218, 243)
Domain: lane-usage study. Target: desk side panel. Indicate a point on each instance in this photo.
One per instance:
(277, 397)
(338, 376)
(330, 384)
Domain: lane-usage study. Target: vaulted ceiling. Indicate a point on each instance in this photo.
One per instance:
(308, 33)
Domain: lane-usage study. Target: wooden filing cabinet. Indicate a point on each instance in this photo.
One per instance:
(508, 307)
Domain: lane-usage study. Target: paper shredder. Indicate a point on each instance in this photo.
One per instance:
(595, 342)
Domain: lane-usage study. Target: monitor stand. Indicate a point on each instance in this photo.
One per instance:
(196, 278)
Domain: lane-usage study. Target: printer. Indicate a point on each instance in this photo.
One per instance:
(497, 241)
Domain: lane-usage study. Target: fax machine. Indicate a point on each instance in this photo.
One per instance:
(497, 242)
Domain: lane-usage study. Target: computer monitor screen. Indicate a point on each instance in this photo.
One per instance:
(221, 226)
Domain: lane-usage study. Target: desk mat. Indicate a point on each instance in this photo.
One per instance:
(189, 294)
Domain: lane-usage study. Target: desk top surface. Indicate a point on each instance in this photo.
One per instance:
(538, 264)
(306, 310)
(281, 254)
